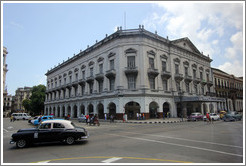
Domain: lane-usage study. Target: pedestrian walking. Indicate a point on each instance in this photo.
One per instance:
(87, 119)
(11, 118)
(168, 114)
(111, 118)
(164, 115)
(208, 118)
(137, 116)
(105, 116)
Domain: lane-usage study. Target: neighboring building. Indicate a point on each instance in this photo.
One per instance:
(20, 95)
(229, 88)
(7, 99)
(129, 72)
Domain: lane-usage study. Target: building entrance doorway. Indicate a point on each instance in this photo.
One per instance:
(100, 111)
(131, 109)
(166, 109)
(153, 107)
(112, 109)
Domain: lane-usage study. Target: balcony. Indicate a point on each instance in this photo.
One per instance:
(165, 74)
(203, 82)
(131, 70)
(153, 72)
(197, 80)
(90, 79)
(99, 76)
(211, 94)
(75, 83)
(209, 83)
(178, 77)
(187, 78)
(110, 73)
(82, 81)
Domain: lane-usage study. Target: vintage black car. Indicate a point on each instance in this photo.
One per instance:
(50, 131)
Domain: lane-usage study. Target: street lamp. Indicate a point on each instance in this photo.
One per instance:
(180, 100)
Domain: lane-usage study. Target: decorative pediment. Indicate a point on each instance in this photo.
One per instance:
(186, 63)
(194, 65)
(164, 56)
(177, 60)
(130, 50)
(55, 78)
(65, 74)
(60, 76)
(76, 69)
(83, 66)
(100, 59)
(70, 72)
(186, 44)
(111, 54)
(51, 80)
(91, 63)
(151, 52)
(207, 70)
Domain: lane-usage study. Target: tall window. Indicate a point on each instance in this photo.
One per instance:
(83, 74)
(187, 86)
(201, 75)
(202, 90)
(186, 71)
(83, 89)
(164, 84)
(59, 82)
(131, 61)
(111, 84)
(91, 87)
(100, 86)
(101, 68)
(131, 82)
(151, 63)
(76, 91)
(152, 82)
(91, 72)
(195, 88)
(178, 85)
(70, 79)
(194, 73)
(164, 66)
(111, 63)
(207, 77)
(176, 69)
(76, 77)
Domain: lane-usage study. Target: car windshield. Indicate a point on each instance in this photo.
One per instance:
(74, 125)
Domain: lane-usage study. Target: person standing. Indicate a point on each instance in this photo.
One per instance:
(105, 116)
(208, 118)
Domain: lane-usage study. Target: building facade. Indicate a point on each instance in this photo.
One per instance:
(129, 72)
(230, 88)
(20, 95)
(7, 99)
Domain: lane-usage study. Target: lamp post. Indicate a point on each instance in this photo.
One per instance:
(180, 100)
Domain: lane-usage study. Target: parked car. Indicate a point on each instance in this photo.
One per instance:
(82, 118)
(32, 119)
(50, 131)
(228, 118)
(195, 116)
(43, 118)
(19, 116)
(213, 116)
(236, 115)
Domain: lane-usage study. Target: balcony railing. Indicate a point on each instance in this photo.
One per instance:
(131, 70)
(165, 74)
(90, 79)
(110, 73)
(153, 72)
(188, 78)
(178, 77)
(99, 76)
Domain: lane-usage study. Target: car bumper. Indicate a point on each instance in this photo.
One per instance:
(11, 142)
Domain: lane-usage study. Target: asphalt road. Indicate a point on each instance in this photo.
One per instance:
(185, 142)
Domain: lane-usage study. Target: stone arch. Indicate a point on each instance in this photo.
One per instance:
(75, 113)
(131, 109)
(82, 109)
(153, 110)
(166, 108)
(90, 108)
(112, 109)
(100, 110)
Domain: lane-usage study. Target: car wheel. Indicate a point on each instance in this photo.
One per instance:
(21, 143)
(70, 140)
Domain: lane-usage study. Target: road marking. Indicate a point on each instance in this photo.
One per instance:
(186, 139)
(103, 157)
(111, 160)
(10, 127)
(186, 146)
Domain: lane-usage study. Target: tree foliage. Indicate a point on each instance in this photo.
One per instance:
(27, 104)
(37, 99)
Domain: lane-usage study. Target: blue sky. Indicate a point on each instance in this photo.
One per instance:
(38, 36)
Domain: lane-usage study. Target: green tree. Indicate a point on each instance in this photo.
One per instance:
(37, 99)
(27, 104)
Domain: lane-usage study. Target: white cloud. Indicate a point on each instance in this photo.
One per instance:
(235, 68)
(16, 25)
(237, 46)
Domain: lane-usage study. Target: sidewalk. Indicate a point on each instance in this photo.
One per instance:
(169, 120)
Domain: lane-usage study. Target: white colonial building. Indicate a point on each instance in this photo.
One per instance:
(129, 72)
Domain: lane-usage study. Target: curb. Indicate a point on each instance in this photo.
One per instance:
(155, 122)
